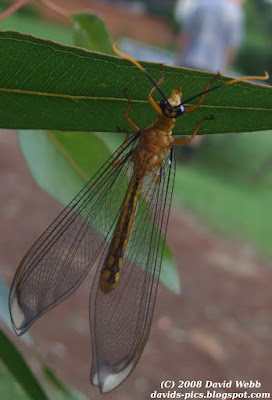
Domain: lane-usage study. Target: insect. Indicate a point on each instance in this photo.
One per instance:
(124, 235)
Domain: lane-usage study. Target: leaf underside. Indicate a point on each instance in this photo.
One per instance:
(46, 85)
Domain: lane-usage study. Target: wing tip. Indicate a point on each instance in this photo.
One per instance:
(17, 315)
(107, 379)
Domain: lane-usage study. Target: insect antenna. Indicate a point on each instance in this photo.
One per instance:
(244, 78)
(140, 67)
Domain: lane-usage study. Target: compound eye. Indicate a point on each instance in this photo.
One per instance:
(180, 110)
(163, 104)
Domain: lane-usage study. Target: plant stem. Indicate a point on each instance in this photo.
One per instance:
(14, 7)
(54, 7)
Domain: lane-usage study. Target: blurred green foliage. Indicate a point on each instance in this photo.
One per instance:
(228, 184)
(11, 390)
(255, 55)
(161, 7)
(37, 27)
(26, 10)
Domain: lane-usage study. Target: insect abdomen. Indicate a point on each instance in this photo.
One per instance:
(114, 261)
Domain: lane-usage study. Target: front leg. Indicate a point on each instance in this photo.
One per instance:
(150, 99)
(189, 109)
(129, 120)
(190, 138)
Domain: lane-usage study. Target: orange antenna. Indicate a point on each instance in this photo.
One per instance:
(138, 65)
(244, 78)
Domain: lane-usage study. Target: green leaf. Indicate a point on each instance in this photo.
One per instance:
(55, 157)
(15, 363)
(55, 381)
(169, 274)
(60, 387)
(45, 85)
(90, 32)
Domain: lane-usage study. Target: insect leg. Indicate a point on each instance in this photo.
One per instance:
(129, 120)
(116, 162)
(150, 99)
(190, 138)
(194, 107)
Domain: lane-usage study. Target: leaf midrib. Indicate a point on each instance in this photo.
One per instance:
(73, 97)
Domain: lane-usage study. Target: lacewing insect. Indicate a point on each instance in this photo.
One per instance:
(126, 236)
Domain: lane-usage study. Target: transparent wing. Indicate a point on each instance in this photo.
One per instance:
(60, 259)
(121, 320)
